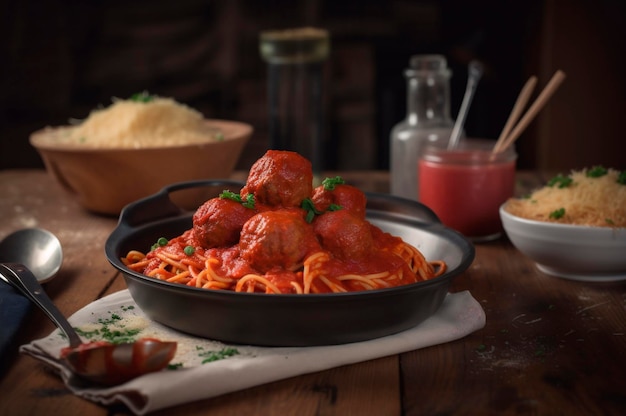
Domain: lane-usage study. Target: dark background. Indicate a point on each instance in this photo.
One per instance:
(60, 59)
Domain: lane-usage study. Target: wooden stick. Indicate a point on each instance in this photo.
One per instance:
(516, 112)
(539, 103)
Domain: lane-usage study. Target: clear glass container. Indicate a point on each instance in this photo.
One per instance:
(427, 122)
(466, 186)
(297, 90)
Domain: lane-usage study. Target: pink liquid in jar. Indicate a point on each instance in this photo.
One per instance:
(466, 186)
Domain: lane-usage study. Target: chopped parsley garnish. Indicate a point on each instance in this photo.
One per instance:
(210, 356)
(189, 250)
(108, 332)
(334, 207)
(330, 183)
(596, 172)
(142, 97)
(310, 209)
(226, 194)
(621, 178)
(560, 181)
(556, 214)
(248, 203)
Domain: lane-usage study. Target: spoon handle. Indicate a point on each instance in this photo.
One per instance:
(475, 73)
(23, 279)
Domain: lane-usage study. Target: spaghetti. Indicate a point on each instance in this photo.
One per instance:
(279, 235)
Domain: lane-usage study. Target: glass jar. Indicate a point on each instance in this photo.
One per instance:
(466, 186)
(297, 91)
(427, 121)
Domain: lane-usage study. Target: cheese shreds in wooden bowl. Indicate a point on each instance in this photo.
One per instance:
(590, 197)
(135, 147)
(142, 121)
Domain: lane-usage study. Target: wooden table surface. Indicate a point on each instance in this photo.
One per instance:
(550, 346)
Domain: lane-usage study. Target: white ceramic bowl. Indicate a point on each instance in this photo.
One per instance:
(575, 252)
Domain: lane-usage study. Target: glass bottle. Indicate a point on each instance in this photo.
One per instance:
(297, 91)
(427, 122)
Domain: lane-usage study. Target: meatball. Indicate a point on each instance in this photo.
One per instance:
(344, 234)
(276, 239)
(218, 222)
(348, 197)
(280, 179)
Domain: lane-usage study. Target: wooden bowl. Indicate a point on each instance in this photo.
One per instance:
(104, 180)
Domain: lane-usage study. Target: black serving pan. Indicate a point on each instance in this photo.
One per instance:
(287, 320)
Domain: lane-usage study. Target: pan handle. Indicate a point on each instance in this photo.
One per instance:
(160, 205)
(400, 208)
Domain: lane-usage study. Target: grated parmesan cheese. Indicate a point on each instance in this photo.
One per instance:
(160, 122)
(592, 201)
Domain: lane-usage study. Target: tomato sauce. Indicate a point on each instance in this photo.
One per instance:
(465, 188)
(272, 239)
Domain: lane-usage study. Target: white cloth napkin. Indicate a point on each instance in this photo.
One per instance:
(459, 315)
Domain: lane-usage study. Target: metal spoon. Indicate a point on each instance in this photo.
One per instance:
(99, 362)
(37, 248)
(475, 72)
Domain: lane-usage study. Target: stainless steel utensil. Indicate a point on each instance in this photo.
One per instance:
(38, 249)
(475, 73)
(100, 362)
